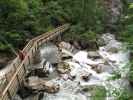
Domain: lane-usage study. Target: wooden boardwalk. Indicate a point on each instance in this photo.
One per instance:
(14, 78)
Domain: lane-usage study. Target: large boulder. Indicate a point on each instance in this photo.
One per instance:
(93, 54)
(65, 56)
(86, 76)
(35, 83)
(38, 84)
(105, 68)
(113, 46)
(76, 45)
(67, 46)
(51, 87)
(63, 68)
(88, 45)
(17, 97)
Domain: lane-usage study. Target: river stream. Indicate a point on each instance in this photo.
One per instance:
(113, 60)
(100, 74)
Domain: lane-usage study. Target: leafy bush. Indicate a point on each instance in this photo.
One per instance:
(131, 72)
(98, 93)
(28, 18)
(127, 33)
(125, 95)
(20, 19)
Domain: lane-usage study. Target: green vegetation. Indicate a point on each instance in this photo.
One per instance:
(21, 20)
(125, 95)
(127, 31)
(116, 75)
(24, 19)
(97, 92)
(131, 72)
(88, 22)
(126, 34)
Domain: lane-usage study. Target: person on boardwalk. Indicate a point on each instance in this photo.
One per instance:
(21, 55)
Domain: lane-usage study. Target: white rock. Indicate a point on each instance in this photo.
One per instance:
(81, 57)
(93, 54)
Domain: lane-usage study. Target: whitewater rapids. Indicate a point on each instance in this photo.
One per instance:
(109, 61)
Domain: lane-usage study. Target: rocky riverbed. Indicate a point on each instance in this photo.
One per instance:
(77, 74)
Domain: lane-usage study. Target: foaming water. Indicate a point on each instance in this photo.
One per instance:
(50, 53)
(109, 61)
(112, 60)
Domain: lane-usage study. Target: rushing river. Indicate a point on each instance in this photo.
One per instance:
(113, 60)
(107, 67)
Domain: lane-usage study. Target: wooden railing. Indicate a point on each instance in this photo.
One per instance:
(14, 78)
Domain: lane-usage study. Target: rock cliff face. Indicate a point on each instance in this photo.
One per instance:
(114, 11)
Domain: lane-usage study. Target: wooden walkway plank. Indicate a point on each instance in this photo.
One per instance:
(15, 78)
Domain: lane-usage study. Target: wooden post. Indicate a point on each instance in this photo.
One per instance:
(9, 95)
(14, 65)
(29, 59)
(32, 52)
(7, 79)
(24, 67)
(36, 47)
(19, 82)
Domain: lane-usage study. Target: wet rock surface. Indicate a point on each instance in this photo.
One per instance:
(35, 84)
(91, 45)
(93, 54)
(37, 58)
(67, 46)
(80, 75)
(86, 76)
(63, 68)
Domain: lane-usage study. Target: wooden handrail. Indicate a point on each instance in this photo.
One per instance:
(12, 79)
(50, 32)
(45, 35)
(29, 48)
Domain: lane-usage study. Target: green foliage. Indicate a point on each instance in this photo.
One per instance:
(89, 19)
(115, 76)
(3, 46)
(125, 95)
(127, 32)
(77, 32)
(127, 35)
(21, 19)
(131, 72)
(98, 93)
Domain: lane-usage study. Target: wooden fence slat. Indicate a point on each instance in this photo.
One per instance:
(17, 73)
